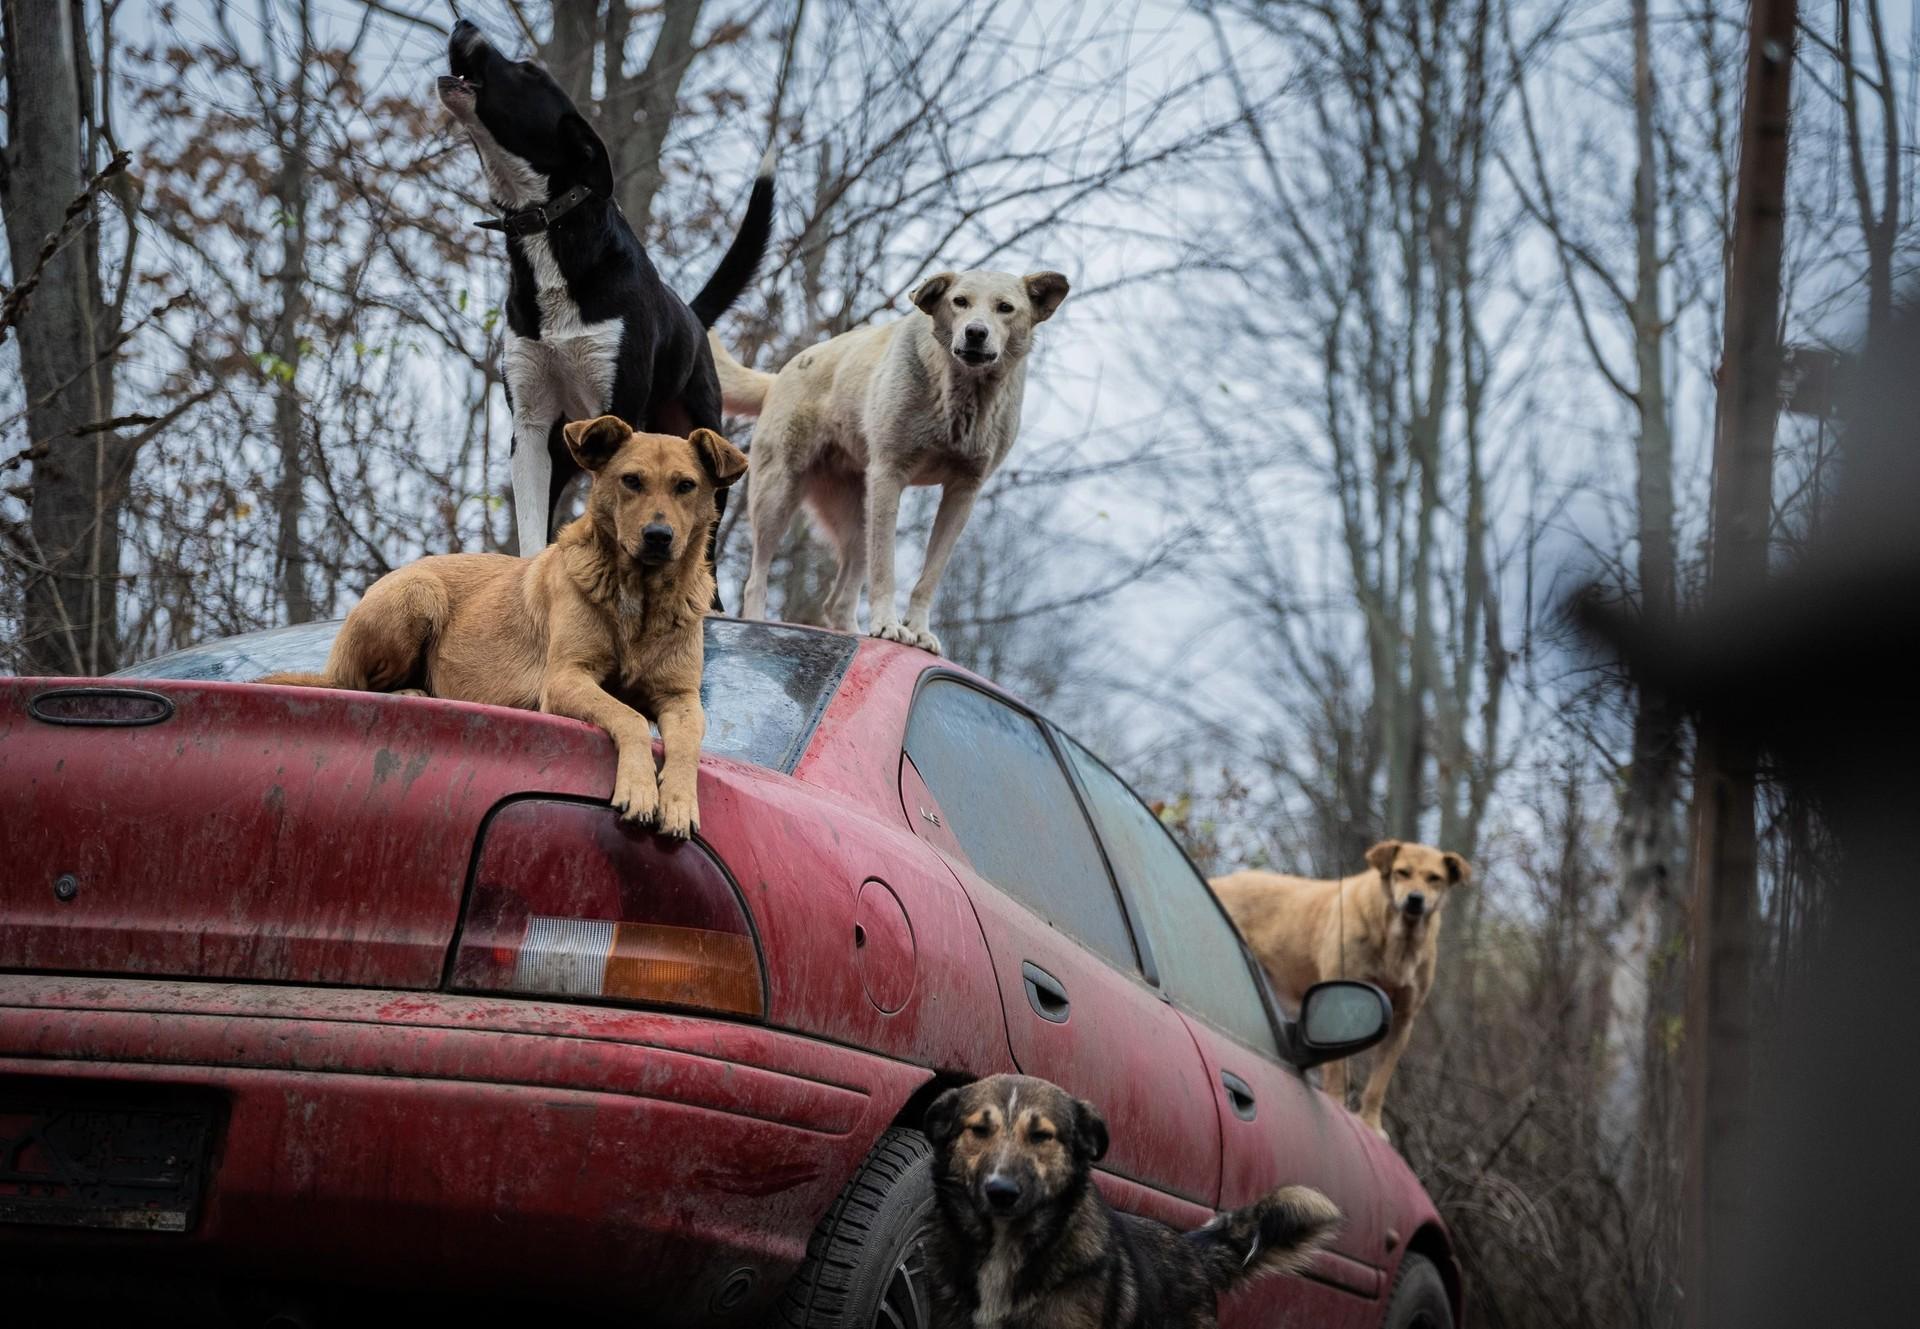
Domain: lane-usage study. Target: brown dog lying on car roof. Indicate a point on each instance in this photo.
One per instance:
(1021, 1239)
(1381, 926)
(613, 606)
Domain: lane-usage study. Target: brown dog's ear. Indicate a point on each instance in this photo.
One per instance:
(593, 442)
(1381, 856)
(1459, 871)
(1046, 290)
(942, 1121)
(927, 294)
(724, 462)
(1089, 1132)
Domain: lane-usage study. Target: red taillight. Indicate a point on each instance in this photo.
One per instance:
(568, 901)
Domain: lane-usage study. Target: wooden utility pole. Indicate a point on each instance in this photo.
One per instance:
(1724, 877)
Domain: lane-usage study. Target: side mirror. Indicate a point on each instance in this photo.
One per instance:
(1338, 1019)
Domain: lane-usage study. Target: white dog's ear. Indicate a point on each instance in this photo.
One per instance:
(927, 294)
(1459, 871)
(1046, 290)
(1381, 856)
(593, 442)
(724, 462)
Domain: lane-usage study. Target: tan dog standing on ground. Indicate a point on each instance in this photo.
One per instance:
(1381, 926)
(614, 606)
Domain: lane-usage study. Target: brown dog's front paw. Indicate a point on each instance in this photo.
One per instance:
(679, 813)
(636, 796)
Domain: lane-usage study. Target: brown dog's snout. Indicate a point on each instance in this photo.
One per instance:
(1416, 903)
(656, 540)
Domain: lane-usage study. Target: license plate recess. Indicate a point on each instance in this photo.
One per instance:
(132, 1158)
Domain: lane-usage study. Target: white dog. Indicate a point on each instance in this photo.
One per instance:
(933, 399)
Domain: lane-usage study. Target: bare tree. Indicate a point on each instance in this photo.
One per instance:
(288, 123)
(66, 556)
(1380, 250)
(1880, 227)
(1725, 882)
(1608, 309)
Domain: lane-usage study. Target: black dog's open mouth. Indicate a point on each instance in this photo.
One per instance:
(454, 88)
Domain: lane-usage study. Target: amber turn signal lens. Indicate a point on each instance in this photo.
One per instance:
(717, 971)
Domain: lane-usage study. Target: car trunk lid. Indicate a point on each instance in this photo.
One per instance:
(243, 832)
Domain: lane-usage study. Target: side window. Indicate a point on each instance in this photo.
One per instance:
(1194, 945)
(1012, 808)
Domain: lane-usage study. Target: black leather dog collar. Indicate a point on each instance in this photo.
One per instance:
(533, 220)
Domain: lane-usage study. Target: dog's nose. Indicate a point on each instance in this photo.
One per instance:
(1002, 1192)
(465, 36)
(656, 537)
(1416, 904)
(976, 333)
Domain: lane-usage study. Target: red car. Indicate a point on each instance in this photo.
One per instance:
(316, 988)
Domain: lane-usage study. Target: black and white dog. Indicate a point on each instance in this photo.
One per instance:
(591, 328)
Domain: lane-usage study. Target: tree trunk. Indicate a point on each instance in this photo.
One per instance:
(570, 51)
(1724, 867)
(1646, 833)
(639, 109)
(78, 480)
(289, 416)
(1878, 232)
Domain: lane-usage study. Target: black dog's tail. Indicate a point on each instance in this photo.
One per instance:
(743, 256)
(1274, 1235)
(750, 245)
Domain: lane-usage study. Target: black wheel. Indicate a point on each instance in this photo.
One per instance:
(866, 1263)
(1419, 1297)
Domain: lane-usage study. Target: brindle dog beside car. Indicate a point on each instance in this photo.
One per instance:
(1021, 1238)
(615, 606)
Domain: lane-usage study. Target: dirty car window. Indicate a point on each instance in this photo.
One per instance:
(764, 685)
(1013, 811)
(1195, 946)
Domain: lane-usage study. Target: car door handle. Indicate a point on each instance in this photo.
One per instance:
(1239, 1095)
(1044, 993)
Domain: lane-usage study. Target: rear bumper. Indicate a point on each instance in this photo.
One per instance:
(543, 1149)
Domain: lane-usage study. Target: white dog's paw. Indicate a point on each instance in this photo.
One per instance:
(636, 790)
(925, 640)
(895, 631)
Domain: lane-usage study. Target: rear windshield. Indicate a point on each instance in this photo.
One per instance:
(765, 683)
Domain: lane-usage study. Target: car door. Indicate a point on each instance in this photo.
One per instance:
(982, 783)
(1276, 1129)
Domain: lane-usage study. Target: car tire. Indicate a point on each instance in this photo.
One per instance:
(1419, 1297)
(865, 1268)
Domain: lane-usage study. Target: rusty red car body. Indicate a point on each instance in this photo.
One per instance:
(252, 895)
